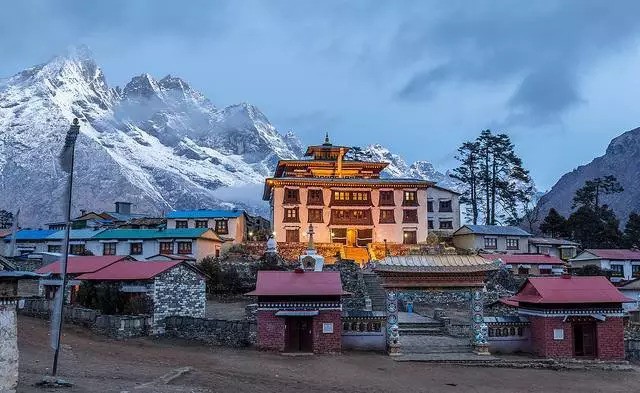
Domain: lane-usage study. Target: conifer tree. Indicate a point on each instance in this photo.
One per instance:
(631, 235)
(554, 224)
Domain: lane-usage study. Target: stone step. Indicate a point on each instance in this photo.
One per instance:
(421, 332)
(441, 349)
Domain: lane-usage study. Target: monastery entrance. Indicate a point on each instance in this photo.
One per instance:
(299, 334)
(584, 339)
(352, 235)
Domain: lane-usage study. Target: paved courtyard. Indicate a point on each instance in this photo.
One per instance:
(97, 364)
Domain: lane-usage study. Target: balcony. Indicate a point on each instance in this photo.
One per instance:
(351, 217)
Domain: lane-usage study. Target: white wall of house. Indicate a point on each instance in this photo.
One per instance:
(633, 294)
(237, 226)
(627, 265)
(200, 247)
(23, 247)
(471, 241)
(435, 195)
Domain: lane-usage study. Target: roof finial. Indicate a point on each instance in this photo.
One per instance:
(326, 139)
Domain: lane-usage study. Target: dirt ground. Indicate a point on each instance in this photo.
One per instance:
(96, 364)
(226, 310)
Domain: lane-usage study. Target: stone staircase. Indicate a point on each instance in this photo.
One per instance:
(427, 344)
(359, 255)
(421, 328)
(375, 291)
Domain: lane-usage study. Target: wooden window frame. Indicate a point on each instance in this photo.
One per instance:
(73, 247)
(163, 250)
(312, 215)
(512, 247)
(290, 231)
(183, 249)
(294, 198)
(112, 248)
(386, 201)
(182, 224)
(410, 219)
(287, 218)
(315, 201)
(410, 201)
(406, 238)
(135, 251)
(430, 224)
(449, 226)
(445, 209)
(429, 206)
(222, 227)
(491, 247)
(200, 225)
(387, 220)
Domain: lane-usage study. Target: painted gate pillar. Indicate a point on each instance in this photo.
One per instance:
(393, 330)
(8, 346)
(479, 328)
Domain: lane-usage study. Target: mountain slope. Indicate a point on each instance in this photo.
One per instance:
(621, 159)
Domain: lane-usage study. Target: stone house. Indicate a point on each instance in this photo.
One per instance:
(141, 244)
(560, 248)
(299, 311)
(529, 264)
(27, 242)
(623, 264)
(173, 288)
(492, 238)
(228, 224)
(443, 210)
(573, 316)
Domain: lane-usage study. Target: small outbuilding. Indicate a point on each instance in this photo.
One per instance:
(299, 311)
(573, 316)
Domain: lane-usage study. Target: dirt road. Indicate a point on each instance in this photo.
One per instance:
(96, 364)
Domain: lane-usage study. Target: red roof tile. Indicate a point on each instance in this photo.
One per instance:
(575, 289)
(618, 254)
(130, 270)
(274, 283)
(83, 264)
(531, 259)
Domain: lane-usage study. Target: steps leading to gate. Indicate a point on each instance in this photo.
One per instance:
(424, 344)
(359, 255)
(375, 291)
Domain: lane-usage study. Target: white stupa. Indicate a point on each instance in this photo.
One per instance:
(311, 260)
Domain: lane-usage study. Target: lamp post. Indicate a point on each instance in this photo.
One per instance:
(67, 157)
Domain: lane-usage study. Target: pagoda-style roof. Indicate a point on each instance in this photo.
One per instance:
(376, 167)
(436, 264)
(326, 147)
(343, 182)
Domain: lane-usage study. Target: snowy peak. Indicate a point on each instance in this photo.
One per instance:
(141, 86)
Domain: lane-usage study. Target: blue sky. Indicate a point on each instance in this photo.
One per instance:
(420, 77)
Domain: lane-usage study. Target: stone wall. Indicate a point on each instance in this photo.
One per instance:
(632, 349)
(211, 331)
(453, 298)
(352, 282)
(178, 291)
(8, 347)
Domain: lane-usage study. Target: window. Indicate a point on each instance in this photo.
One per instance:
(359, 196)
(76, 249)
(291, 195)
(386, 198)
(523, 270)
(410, 237)
(545, 271)
(293, 235)
(202, 224)
(567, 252)
(109, 248)
(544, 250)
(387, 217)
(617, 271)
(558, 334)
(341, 195)
(184, 247)
(490, 243)
(315, 215)
(182, 224)
(410, 198)
(166, 248)
(410, 216)
(54, 248)
(429, 206)
(346, 217)
(445, 206)
(430, 224)
(512, 244)
(314, 197)
(635, 271)
(445, 225)
(291, 215)
(136, 248)
(222, 227)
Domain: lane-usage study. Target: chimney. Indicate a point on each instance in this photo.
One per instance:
(123, 207)
(83, 212)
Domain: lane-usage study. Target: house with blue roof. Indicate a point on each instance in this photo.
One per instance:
(27, 242)
(492, 238)
(230, 225)
(142, 244)
(77, 240)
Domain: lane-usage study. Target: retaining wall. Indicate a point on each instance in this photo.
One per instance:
(237, 334)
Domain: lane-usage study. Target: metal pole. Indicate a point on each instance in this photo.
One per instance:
(63, 266)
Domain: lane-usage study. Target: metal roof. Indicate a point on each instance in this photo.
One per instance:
(436, 263)
(13, 274)
(276, 283)
(83, 264)
(31, 234)
(75, 234)
(497, 230)
(569, 289)
(174, 233)
(205, 213)
(615, 254)
(130, 270)
(534, 259)
(551, 241)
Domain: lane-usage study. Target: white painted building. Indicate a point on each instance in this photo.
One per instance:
(228, 224)
(443, 210)
(624, 264)
(492, 238)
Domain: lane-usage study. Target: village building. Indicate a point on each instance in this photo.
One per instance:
(228, 224)
(622, 264)
(572, 316)
(76, 265)
(443, 210)
(107, 219)
(560, 248)
(631, 289)
(77, 240)
(173, 288)
(27, 241)
(529, 264)
(347, 201)
(492, 238)
(195, 243)
(299, 311)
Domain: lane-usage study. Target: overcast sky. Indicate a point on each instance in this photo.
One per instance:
(560, 77)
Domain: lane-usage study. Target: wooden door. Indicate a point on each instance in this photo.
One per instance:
(584, 338)
(299, 333)
(351, 237)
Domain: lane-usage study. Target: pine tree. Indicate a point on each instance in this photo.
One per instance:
(589, 195)
(6, 219)
(631, 235)
(554, 224)
(468, 174)
(595, 227)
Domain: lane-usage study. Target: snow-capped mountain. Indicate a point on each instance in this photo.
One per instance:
(157, 143)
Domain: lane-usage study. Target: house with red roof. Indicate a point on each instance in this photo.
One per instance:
(573, 316)
(299, 311)
(624, 264)
(529, 264)
(171, 288)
